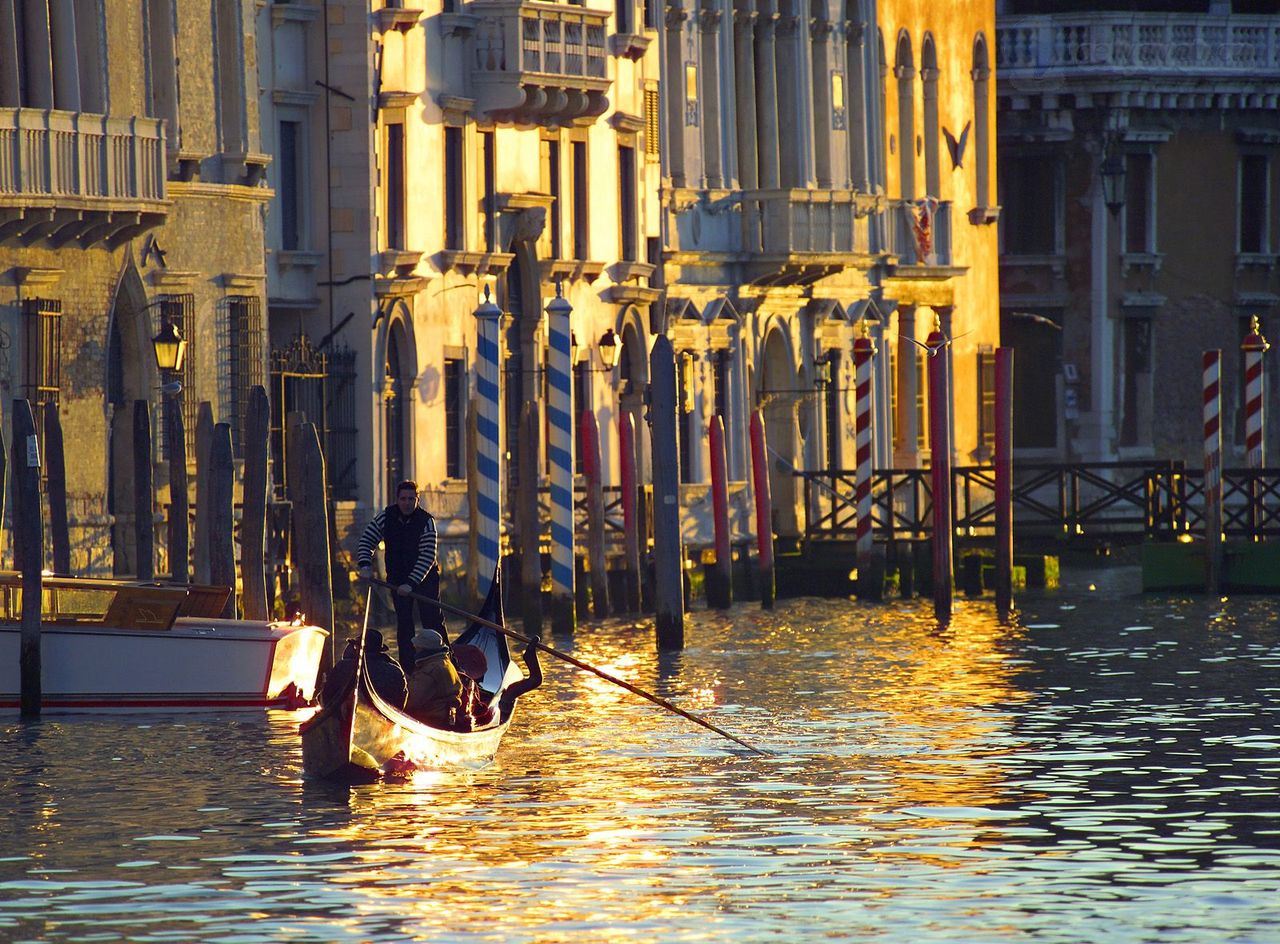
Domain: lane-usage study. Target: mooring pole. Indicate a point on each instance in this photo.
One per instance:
(56, 490)
(1004, 479)
(764, 509)
(473, 503)
(143, 492)
(222, 551)
(940, 467)
(1212, 377)
(253, 518)
(720, 576)
(488, 438)
(1254, 346)
(633, 534)
(870, 573)
(668, 551)
(560, 460)
(28, 547)
(529, 519)
(591, 468)
(179, 501)
(309, 495)
(204, 438)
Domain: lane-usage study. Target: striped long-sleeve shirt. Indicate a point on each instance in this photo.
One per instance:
(409, 544)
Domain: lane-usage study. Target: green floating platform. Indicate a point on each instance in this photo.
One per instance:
(1246, 568)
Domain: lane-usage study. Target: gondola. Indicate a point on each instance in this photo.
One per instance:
(359, 737)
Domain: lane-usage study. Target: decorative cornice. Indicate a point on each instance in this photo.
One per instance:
(37, 277)
(621, 122)
(396, 18)
(397, 99)
(242, 281)
(173, 282)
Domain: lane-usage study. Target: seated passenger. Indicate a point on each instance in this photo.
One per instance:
(525, 685)
(339, 677)
(435, 691)
(476, 710)
(384, 672)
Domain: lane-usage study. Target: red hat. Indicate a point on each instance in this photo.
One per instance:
(470, 660)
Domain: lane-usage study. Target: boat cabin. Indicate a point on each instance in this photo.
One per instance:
(113, 604)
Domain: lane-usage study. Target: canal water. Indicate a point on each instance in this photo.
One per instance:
(1105, 768)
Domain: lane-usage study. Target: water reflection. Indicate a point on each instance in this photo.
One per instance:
(1098, 767)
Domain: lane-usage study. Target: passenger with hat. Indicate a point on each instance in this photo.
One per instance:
(476, 711)
(384, 672)
(435, 690)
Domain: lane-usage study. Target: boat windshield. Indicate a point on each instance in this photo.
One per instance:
(104, 603)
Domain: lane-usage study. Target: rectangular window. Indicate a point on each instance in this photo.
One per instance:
(627, 202)
(922, 400)
(652, 125)
(684, 413)
(837, 101)
(653, 14)
(549, 242)
(44, 350)
(987, 401)
(1138, 229)
(1253, 203)
(488, 190)
(581, 215)
(623, 14)
(454, 377)
(720, 377)
(691, 94)
(393, 188)
(290, 184)
(454, 230)
(244, 364)
(1029, 217)
(1135, 420)
(832, 390)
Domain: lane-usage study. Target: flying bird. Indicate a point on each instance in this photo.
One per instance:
(957, 147)
(931, 351)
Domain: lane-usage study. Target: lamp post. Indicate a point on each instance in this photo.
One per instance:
(610, 349)
(170, 347)
(1112, 172)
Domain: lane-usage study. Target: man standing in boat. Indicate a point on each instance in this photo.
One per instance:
(408, 536)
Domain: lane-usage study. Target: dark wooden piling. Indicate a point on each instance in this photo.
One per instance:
(143, 492)
(668, 550)
(55, 467)
(28, 549)
(940, 468)
(204, 437)
(222, 551)
(764, 509)
(308, 493)
(253, 516)
(179, 501)
(529, 519)
(1004, 479)
(720, 575)
(591, 468)
(633, 537)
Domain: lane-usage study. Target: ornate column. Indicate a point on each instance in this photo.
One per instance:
(66, 73)
(823, 114)
(791, 171)
(744, 74)
(38, 50)
(712, 166)
(767, 100)
(10, 97)
(674, 52)
(906, 452)
(931, 131)
(856, 109)
(906, 131)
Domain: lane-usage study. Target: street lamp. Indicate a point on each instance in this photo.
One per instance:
(170, 347)
(1112, 173)
(610, 349)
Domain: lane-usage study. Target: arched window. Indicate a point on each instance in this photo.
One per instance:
(984, 194)
(929, 76)
(904, 71)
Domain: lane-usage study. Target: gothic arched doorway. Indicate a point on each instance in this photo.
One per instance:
(130, 370)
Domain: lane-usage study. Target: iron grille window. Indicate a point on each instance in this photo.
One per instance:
(320, 387)
(720, 377)
(454, 375)
(244, 362)
(180, 310)
(987, 401)
(44, 350)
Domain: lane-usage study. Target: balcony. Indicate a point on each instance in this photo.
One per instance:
(540, 63)
(1137, 46)
(74, 177)
(918, 234)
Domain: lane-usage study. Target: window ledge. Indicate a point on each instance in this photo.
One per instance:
(396, 99)
(1141, 262)
(626, 271)
(400, 261)
(467, 263)
(628, 45)
(1056, 262)
(1255, 260)
(397, 18)
(298, 259)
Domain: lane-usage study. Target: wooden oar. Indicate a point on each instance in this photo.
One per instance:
(578, 663)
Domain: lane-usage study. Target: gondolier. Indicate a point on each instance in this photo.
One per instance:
(408, 536)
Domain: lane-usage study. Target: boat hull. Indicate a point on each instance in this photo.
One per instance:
(195, 665)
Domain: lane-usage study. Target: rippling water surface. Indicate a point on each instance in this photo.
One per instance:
(1106, 768)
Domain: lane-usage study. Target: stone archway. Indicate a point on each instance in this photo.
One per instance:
(130, 376)
(633, 367)
(779, 401)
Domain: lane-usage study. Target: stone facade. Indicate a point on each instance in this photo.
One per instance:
(130, 192)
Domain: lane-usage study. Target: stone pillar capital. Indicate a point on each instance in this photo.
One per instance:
(820, 29)
(676, 15)
(709, 19)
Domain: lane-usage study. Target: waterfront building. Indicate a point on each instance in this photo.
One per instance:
(1138, 151)
(825, 167)
(430, 152)
(131, 196)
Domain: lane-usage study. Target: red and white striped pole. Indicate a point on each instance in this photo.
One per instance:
(1254, 346)
(863, 351)
(1212, 385)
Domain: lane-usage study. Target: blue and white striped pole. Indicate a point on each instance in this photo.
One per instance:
(489, 400)
(560, 456)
